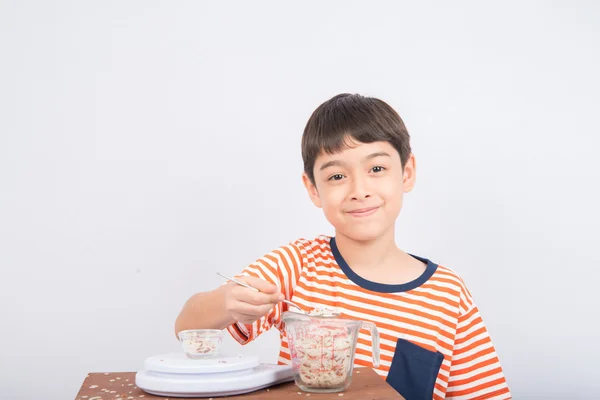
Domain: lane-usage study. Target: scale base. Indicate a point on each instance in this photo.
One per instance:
(213, 384)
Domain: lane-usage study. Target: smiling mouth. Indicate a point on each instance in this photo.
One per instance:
(363, 212)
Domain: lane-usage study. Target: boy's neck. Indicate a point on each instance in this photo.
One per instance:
(368, 254)
(379, 260)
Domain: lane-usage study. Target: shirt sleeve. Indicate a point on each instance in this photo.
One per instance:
(280, 267)
(475, 371)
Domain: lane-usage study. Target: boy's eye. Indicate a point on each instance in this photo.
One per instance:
(377, 168)
(336, 177)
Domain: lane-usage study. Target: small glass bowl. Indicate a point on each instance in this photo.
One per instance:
(201, 343)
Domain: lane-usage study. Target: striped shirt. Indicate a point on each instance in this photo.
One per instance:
(431, 321)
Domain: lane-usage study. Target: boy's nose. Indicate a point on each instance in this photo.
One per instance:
(359, 190)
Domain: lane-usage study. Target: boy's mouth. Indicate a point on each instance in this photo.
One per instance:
(363, 212)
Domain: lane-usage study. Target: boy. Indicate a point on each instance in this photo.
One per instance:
(357, 166)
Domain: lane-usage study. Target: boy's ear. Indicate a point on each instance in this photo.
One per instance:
(313, 193)
(409, 174)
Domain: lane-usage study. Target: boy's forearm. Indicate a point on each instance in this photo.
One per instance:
(204, 311)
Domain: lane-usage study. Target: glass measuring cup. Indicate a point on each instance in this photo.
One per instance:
(323, 348)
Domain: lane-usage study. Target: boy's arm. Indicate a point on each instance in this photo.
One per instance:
(244, 312)
(228, 304)
(475, 371)
(281, 268)
(205, 311)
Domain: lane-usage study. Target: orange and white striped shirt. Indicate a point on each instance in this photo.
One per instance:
(434, 343)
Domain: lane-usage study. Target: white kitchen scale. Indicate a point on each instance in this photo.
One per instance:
(176, 375)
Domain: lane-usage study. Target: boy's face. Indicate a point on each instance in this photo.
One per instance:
(361, 188)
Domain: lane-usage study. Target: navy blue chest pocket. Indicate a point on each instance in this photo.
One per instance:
(414, 370)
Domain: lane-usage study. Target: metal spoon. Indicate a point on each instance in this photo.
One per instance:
(253, 288)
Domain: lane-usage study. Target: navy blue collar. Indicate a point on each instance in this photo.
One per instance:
(382, 287)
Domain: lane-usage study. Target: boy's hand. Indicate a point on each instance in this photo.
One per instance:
(246, 305)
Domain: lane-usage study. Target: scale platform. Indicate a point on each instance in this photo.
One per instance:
(176, 375)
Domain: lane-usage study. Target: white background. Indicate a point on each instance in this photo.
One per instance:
(145, 145)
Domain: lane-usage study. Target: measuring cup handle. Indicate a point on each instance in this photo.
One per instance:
(375, 340)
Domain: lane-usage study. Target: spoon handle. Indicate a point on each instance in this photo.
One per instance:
(253, 288)
(238, 282)
(293, 305)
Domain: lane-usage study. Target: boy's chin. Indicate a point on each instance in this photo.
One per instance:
(362, 235)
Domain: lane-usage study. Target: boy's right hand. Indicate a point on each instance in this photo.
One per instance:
(246, 305)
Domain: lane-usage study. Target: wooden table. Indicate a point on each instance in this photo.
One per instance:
(366, 385)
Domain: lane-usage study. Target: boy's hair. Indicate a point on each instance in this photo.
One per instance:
(364, 119)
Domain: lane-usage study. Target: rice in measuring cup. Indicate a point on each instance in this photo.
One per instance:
(323, 355)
